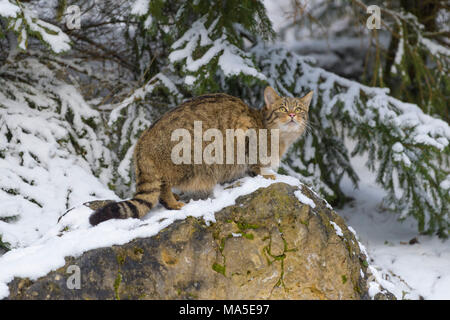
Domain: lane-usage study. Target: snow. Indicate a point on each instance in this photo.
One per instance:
(417, 270)
(73, 235)
(434, 47)
(26, 21)
(148, 22)
(445, 185)
(379, 232)
(231, 59)
(399, 155)
(140, 7)
(189, 80)
(400, 52)
(139, 94)
(304, 199)
(232, 63)
(277, 12)
(422, 136)
(57, 40)
(337, 228)
(8, 10)
(397, 147)
(42, 174)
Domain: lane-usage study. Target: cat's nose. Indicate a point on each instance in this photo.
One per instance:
(291, 115)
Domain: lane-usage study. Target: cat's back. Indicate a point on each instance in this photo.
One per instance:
(211, 111)
(217, 110)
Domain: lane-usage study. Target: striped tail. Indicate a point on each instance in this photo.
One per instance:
(134, 208)
(143, 201)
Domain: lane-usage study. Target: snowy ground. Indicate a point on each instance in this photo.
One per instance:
(423, 267)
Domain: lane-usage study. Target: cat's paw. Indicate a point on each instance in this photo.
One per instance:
(173, 205)
(269, 176)
(177, 205)
(252, 174)
(254, 171)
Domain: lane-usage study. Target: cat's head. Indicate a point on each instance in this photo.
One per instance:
(284, 113)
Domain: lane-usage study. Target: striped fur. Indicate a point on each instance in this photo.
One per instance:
(156, 174)
(146, 197)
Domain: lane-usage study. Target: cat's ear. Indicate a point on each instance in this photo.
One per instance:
(270, 96)
(306, 100)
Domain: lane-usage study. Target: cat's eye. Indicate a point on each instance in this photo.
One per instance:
(283, 109)
(297, 110)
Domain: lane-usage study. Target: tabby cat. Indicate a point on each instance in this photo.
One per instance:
(156, 173)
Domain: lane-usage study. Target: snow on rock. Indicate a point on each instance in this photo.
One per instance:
(304, 199)
(262, 233)
(337, 228)
(73, 235)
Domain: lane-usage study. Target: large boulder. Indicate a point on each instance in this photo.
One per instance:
(274, 243)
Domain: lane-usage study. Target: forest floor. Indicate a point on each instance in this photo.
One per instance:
(423, 266)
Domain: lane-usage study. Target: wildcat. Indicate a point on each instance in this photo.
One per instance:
(156, 173)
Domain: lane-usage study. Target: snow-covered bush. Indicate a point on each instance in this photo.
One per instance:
(408, 149)
(52, 148)
(409, 53)
(25, 23)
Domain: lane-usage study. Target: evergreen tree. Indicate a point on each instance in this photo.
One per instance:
(408, 54)
(174, 50)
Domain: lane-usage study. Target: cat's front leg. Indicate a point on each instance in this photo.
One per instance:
(266, 172)
(254, 170)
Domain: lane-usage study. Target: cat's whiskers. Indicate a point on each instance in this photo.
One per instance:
(308, 127)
